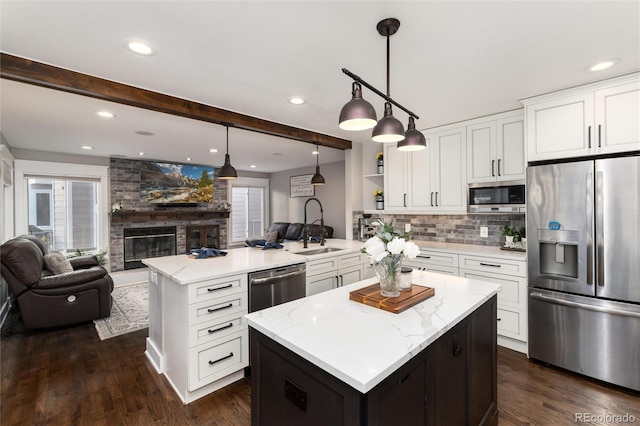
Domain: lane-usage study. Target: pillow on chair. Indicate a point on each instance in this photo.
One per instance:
(57, 263)
(272, 237)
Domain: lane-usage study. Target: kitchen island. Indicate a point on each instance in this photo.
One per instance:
(326, 359)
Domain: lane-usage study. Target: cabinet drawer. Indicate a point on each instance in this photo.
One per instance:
(216, 329)
(320, 266)
(495, 265)
(212, 289)
(208, 363)
(438, 258)
(510, 324)
(218, 308)
(513, 291)
(350, 259)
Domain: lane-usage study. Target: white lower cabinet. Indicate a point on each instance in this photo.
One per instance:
(337, 271)
(434, 261)
(199, 341)
(512, 297)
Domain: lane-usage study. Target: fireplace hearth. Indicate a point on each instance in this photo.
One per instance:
(143, 243)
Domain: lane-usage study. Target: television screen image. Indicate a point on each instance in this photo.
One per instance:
(175, 183)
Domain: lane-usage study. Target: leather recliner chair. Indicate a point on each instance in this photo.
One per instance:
(48, 300)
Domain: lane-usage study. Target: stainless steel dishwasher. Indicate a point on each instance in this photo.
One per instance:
(275, 286)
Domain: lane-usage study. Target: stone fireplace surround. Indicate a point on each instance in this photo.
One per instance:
(125, 185)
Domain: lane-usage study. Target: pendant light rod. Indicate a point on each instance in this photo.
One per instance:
(388, 98)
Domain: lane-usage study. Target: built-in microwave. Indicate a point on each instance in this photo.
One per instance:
(501, 197)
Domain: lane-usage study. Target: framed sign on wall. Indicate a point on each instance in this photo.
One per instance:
(300, 186)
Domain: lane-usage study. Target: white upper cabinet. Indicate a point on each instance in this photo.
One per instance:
(431, 180)
(599, 118)
(495, 149)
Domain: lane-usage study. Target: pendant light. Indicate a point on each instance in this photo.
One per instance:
(355, 115)
(227, 171)
(413, 139)
(317, 179)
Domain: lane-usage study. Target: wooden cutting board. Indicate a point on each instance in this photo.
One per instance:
(371, 296)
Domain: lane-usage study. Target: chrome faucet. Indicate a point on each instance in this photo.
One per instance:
(305, 232)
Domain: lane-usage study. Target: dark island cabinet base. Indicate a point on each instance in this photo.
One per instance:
(452, 382)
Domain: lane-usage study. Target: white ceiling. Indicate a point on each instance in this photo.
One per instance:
(450, 61)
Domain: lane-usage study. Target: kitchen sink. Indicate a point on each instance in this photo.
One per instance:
(318, 251)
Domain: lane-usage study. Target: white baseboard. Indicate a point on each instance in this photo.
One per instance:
(130, 276)
(513, 344)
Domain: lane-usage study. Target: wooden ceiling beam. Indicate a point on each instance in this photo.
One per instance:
(32, 72)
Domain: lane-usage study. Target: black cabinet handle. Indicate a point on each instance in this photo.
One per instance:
(221, 359)
(432, 199)
(490, 264)
(220, 329)
(589, 135)
(499, 319)
(405, 200)
(436, 198)
(210, 290)
(210, 310)
(493, 164)
(599, 136)
(424, 257)
(498, 167)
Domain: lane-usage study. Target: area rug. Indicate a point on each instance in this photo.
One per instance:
(130, 311)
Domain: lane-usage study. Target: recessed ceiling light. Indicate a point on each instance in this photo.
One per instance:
(213, 150)
(105, 114)
(253, 166)
(143, 133)
(86, 147)
(188, 158)
(141, 153)
(296, 100)
(140, 47)
(603, 65)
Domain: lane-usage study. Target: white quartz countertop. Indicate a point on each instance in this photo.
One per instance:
(185, 270)
(362, 345)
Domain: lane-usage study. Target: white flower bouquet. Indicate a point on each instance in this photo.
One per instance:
(386, 250)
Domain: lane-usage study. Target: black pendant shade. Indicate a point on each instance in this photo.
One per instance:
(389, 128)
(413, 139)
(357, 114)
(227, 171)
(317, 178)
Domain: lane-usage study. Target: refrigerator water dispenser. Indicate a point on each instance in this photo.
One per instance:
(559, 252)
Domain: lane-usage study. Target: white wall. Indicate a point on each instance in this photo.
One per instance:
(332, 196)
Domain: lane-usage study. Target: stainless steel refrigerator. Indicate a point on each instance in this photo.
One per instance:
(583, 229)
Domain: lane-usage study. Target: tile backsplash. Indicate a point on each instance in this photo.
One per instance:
(462, 229)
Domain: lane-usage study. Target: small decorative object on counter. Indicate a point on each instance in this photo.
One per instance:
(379, 199)
(380, 160)
(509, 233)
(386, 251)
(406, 274)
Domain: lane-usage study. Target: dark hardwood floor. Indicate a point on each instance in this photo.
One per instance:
(69, 377)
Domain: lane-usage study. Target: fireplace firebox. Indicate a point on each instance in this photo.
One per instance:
(143, 243)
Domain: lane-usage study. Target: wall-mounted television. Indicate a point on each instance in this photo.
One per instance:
(178, 184)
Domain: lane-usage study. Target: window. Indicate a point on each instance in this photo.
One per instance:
(63, 213)
(249, 208)
(64, 204)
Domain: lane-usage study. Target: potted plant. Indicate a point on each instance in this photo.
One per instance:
(379, 199)
(380, 161)
(509, 232)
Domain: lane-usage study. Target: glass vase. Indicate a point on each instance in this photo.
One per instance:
(388, 272)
